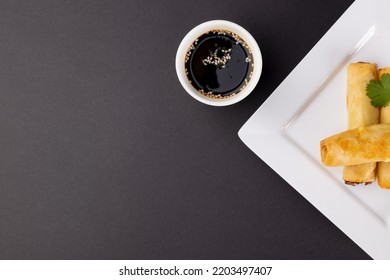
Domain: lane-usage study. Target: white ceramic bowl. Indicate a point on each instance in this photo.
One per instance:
(198, 31)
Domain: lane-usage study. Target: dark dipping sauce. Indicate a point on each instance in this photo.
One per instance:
(219, 64)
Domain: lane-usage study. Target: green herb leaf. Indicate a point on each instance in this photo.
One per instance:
(379, 92)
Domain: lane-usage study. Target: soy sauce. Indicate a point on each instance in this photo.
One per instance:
(219, 64)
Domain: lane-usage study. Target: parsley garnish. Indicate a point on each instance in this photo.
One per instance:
(379, 91)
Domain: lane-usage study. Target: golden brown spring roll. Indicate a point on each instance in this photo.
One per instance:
(384, 167)
(360, 113)
(361, 145)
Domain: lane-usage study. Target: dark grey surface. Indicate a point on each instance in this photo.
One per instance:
(104, 155)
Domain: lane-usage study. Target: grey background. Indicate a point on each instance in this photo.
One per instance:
(104, 156)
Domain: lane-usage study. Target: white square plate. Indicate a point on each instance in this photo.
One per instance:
(309, 106)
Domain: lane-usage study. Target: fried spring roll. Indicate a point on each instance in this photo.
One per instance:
(363, 145)
(360, 113)
(384, 167)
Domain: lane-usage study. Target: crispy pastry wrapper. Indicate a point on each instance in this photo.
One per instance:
(360, 113)
(384, 167)
(362, 145)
